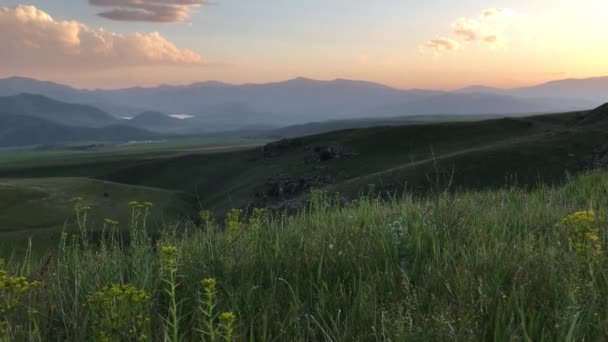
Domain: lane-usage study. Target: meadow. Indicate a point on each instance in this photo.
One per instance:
(505, 264)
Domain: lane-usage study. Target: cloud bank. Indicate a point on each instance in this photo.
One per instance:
(163, 11)
(32, 39)
(487, 28)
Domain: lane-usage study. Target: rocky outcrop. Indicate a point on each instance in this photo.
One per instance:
(284, 185)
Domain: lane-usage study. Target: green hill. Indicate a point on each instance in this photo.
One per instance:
(17, 130)
(415, 158)
(41, 208)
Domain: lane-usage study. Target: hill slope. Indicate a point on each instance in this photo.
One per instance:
(42, 107)
(42, 207)
(416, 158)
(18, 130)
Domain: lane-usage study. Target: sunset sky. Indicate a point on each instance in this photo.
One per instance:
(438, 44)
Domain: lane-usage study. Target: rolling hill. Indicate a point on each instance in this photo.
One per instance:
(51, 201)
(19, 130)
(387, 159)
(42, 107)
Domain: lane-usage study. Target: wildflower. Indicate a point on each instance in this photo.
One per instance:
(110, 222)
(77, 199)
(233, 222)
(209, 283)
(257, 220)
(207, 305)
(13, 290)
(119, 313)
(206, 218)
(227, 320)
(148, 204)
(583, 231)
(133, 204)
(168, 251)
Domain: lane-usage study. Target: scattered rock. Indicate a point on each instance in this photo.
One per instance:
(282, 185)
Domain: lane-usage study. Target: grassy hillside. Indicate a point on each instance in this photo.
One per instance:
(468, 155)
(41, 208)
(499, 265)
(38, 202)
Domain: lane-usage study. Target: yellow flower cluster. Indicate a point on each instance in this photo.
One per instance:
(206, 217)
(13, 289)
(119, 293)
(234, 224)
(110, 222)
(168, 257)
(209, 284)
(119, 312)
(227, 318)
(583, 230)
(168, 251)
(140, 205)
(257, 220)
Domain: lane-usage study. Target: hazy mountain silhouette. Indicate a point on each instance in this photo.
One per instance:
(42, 107)
(17, 85)
(303, 100)
(591, 89)
(466, 103)
(19, 130)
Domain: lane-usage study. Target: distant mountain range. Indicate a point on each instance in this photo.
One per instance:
(32, 120)
(218, 107)
(303, 100)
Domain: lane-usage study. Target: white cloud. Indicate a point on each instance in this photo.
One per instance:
(166, 11)
(32, 39)
(439, 45)
(488, 28)
(466, 29)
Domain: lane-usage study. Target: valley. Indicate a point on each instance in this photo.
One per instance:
(220, 174)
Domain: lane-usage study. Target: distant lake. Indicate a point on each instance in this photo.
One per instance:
(181, 116)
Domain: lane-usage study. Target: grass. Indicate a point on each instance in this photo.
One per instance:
(39, 208)
(478, 265)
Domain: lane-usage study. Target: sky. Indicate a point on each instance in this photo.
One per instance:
(432, 44)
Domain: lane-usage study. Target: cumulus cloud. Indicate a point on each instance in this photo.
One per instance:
(492, 13)
(488, 28)
(31, 38)
(466, 29)
(164, 11)
(439, 45)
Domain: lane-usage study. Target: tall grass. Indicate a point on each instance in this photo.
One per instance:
(495, 265)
